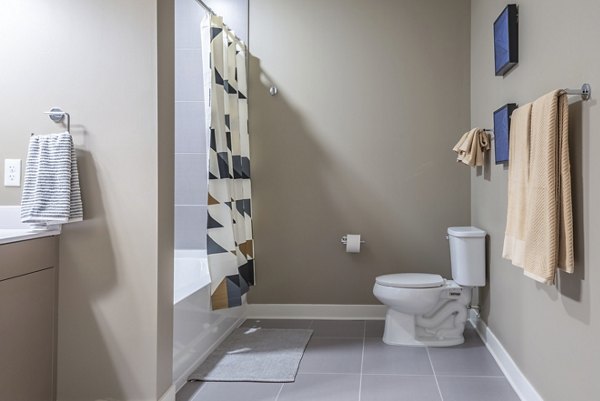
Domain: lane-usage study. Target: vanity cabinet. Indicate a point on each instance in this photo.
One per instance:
(28, 303)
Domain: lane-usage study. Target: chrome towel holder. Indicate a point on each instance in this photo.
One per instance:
(57, 115)
(585, 92)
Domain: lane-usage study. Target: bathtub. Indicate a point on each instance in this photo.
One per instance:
(196, 329)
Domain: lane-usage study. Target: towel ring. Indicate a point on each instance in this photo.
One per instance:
(57, 115)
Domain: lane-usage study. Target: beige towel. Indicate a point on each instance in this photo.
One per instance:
(518, 180)
(549, 220)
(472, 146)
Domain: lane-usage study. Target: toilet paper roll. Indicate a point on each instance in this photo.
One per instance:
(353, 243)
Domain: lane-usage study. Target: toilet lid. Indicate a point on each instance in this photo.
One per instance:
(411, 280)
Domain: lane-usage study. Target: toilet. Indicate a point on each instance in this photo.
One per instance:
(427, 309)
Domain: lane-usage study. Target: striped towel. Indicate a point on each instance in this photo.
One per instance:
(51, 192)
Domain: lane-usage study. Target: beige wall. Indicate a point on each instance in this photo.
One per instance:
(373, 95)
(551, 332)
(165, 173)
(98, 60)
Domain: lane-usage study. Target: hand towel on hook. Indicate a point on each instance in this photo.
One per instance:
(472, 146)
(51, 193)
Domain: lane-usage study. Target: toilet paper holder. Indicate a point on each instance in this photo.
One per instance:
(344, 240)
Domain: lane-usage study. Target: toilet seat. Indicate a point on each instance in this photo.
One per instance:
(411, 280)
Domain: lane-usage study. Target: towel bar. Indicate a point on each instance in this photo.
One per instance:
(585, 92)
(56, 114)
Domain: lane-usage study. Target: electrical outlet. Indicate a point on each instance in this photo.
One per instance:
(12, 172)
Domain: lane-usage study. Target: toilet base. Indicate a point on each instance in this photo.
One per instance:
(401, 329)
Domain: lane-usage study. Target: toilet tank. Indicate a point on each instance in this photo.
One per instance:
(467, 255)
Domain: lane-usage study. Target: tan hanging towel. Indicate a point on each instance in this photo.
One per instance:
(549, 216)
(472, 146)
(518, 180)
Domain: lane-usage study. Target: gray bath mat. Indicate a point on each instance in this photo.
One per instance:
(256, 355)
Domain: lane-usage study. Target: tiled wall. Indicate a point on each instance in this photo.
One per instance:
(235, 15)
(190, 135)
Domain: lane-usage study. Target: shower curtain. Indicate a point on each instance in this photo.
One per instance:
(229, 243)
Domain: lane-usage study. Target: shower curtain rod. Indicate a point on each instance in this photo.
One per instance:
(213, 13)
(206, 7)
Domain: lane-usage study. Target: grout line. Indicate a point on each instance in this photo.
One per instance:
(401, 375)
(328, 374)
(396, 374)
(434, 375)
(362, 360)
(475, 376)
(279, 392)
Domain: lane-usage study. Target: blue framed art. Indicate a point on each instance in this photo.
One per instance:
(502, 131)
(506, 40)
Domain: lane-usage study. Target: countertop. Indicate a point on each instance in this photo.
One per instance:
(8, 235)
(12, 230)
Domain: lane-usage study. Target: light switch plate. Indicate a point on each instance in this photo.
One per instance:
(12, 172)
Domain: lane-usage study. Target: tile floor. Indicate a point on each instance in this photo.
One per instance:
(346, 361)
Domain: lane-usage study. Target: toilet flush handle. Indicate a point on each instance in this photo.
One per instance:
(447, 237)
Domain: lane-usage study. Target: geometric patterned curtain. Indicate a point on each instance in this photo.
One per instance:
(229, 244)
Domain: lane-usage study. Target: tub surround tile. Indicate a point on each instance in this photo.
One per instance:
(191, 180)
(190, 223)
(190, 130)
(189, 82)
(190, 127)
(187, 29)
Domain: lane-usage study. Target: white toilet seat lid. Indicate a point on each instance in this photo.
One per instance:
(411, 280)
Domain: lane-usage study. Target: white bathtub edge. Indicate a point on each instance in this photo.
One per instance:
(191, 273)
(180, 381)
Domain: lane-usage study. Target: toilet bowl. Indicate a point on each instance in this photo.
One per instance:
(432, 315)
(426, 309)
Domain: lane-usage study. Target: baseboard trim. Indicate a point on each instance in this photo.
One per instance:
(169, 395)
(313, 311)
(516, 378)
